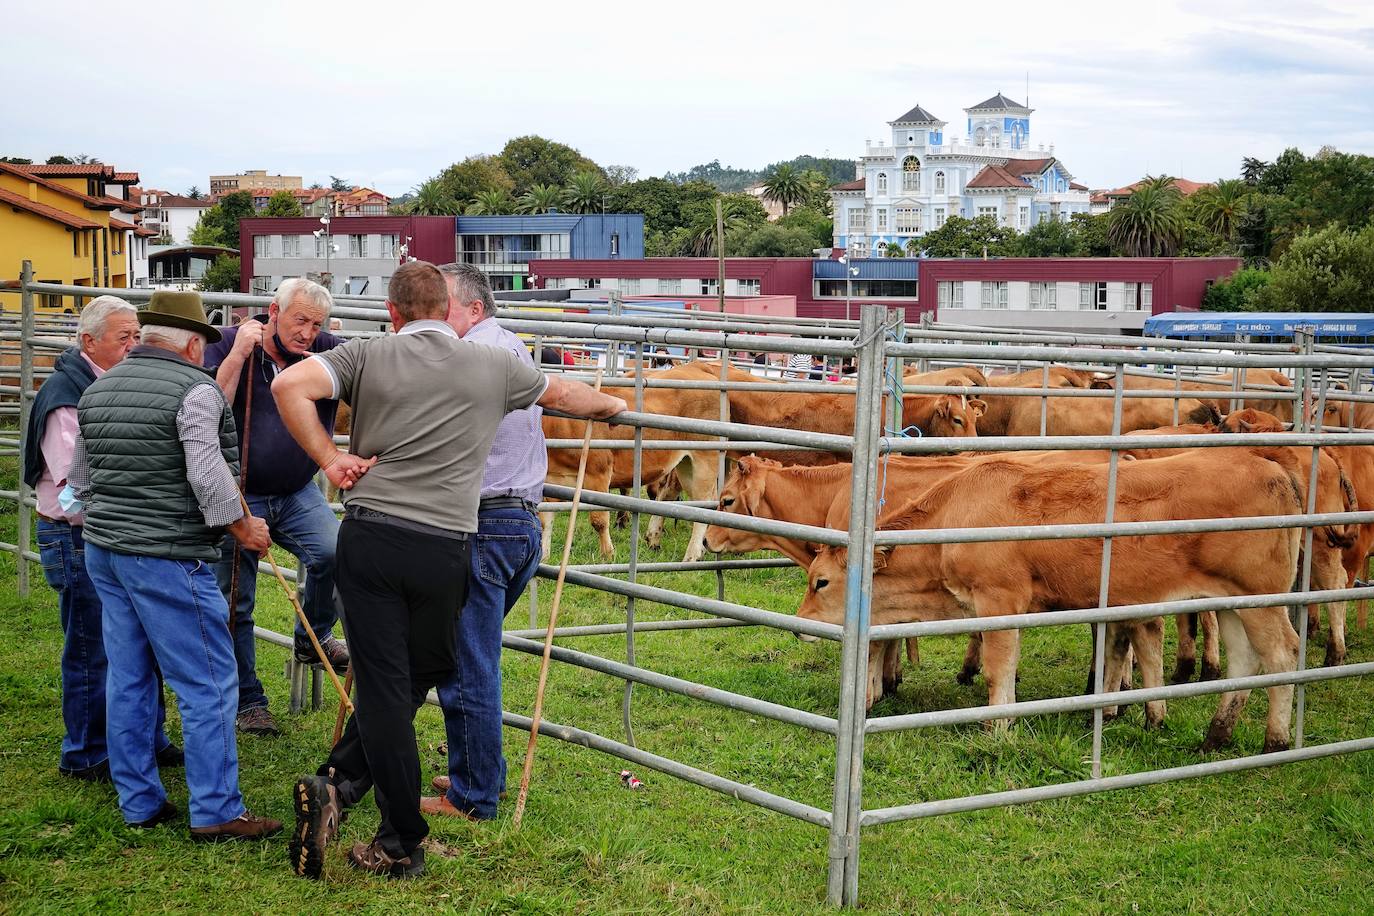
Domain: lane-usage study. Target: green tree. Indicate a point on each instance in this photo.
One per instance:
(1281, 172)
(1239, 293)
(617, 175)
(222, 276)
(586, 193)
(283, 203)
(338, 184)
(59, 160)
(491, 203)
(969, 238)
(816, 223)
(893, 250)
(784, 186)
(463, 181)
(541, 198)
(1252, 170)
(194, 192)
(219, 225)
(431, 199)
(1149, 223)
(533, 160)
(740, 216)
(1218, 207)
(1329, 270)
(1090, 235)
(16, 160)
(772, 240)
(1050, 238)
(1331, 189)
(666, 206)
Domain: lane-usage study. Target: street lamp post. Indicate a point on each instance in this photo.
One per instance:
(849, 274)
(329, 249)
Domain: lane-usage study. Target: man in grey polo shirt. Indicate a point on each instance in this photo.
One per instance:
(426, 406)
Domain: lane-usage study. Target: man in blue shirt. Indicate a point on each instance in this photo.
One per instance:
(279, 485)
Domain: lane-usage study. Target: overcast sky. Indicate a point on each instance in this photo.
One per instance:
(388, 94)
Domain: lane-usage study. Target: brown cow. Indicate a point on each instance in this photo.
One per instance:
(916, 582)
(1222, 385)
(997, 418)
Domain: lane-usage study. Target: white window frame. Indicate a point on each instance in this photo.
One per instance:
(907, 220)
(882, 182)
(1023, 217)
(1044, 296)
(987, 211)
(710, 287)
(939, 217)
(858, 219)
(880, 221)
(1130, 297)
(390, 245)
(1100, 297)
(750, 286)
(291, 246)
(357, 245)
(858, 248)
(670, 287)
(1147, 297)
(911, 178)
(939, 182)
(1085, 297)
(629, 286)
(262, 247)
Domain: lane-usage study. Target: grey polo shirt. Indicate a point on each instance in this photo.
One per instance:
(428, 405)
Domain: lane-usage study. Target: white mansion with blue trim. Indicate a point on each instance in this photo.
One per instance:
(905, 190)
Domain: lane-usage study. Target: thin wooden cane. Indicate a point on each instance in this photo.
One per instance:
(339, 719)
(553, 621)
(243, 488)
(300, 613)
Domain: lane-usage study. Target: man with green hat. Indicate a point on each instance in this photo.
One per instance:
(154, 466)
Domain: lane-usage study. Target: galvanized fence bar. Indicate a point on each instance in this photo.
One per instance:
(25, 409)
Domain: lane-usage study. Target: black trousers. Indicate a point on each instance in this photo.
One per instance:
(402, 592)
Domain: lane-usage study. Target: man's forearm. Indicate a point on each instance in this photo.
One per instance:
(302, 421)
(228, 374)
(580, 400)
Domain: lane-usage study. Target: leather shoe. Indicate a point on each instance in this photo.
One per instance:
(258, 720)
(334, 649)
(247, 826)
(318, 815)
(443, 784)
(372, 857)
(439, 804)
(168, 812)
(171, 757)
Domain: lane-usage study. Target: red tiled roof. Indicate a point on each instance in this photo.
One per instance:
(81, 170)
(1019, 167)
(144, 233)
(21, 202)
(123, 177)
(857, 185)
(1098, 197)
(120, 224)
(175, 201)
(1186, 188)
(995, 176)
(92, 203)
(1075, 186)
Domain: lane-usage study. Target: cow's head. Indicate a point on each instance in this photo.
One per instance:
(827, 579)
(1250, 420)
(741, 495)
(945, 415)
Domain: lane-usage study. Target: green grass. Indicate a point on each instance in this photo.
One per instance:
(1290, 839)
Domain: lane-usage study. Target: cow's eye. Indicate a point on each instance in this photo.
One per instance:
(821, 583)
(727, 501)
(958, 421)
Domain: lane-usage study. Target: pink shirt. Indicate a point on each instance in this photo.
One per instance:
(59, 437)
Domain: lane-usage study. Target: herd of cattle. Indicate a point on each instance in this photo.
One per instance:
(1008, 489)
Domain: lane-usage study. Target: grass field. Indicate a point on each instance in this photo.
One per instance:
(1299, 838)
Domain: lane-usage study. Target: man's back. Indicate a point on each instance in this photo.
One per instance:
(427, 405)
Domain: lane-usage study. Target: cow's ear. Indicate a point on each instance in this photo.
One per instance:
(746, 465)
(942, 406)
(979, 406)
(1099, 382)
(880, 555)
(1245, 427)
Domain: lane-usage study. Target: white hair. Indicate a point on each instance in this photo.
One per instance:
(97, 312)
(170, 338)
(314, 293)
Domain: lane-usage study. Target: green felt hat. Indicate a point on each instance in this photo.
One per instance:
(173, 309)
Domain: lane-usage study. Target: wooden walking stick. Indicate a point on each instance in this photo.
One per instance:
(300, 613)
(243, 487)
(339, 719)
(553, 620)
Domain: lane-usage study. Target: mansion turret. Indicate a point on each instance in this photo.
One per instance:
(910, 187)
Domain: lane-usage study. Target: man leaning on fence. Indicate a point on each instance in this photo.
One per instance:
(106, 332)
(154, 465)
(426, 407)
(279, 484)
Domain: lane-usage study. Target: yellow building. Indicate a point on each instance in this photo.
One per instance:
(62, 219)
(251, 179)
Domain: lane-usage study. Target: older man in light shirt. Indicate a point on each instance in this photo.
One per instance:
(106, 332)
(504, 559)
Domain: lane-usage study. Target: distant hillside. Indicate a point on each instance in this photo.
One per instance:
(729, 179)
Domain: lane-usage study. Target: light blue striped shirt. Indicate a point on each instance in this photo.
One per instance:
(518, 462)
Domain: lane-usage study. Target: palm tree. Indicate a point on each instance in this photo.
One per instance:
(1219, 206)
(785, 186)
(491, 203)
(586, 193)
(1149, 223)
(541, 198)
(701, 235)
(432, 200)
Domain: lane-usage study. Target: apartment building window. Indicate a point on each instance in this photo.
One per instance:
(357, 246)
(1092, 296)
(629, 286)
(1023, 220)
(747, 287)
(1147, 297)
(908, 219)
(669, 287)
(1043, 295)
(881, 220)
(939, 215)
(389, 245)
(858, 219)
(291, 246)
(882, 182)
(994, 295)
(911, 174)
(710, 287)
(262, 246)
(939, 182)
(989, 212)
(1130, 296)
(949, 294)
(261, 286)
(357, 286)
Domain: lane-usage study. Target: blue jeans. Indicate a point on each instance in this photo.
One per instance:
(83, 650)
(303, 523)
(168, 613)
(504, 559)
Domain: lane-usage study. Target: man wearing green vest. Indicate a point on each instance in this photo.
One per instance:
(154, 466)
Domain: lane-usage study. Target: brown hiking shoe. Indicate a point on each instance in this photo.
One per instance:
(247, 826)
(372, 857)
(334, 649)
(318, 815)
(443, 784)
(258, 721)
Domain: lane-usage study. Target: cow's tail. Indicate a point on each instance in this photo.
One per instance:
(1343, 536)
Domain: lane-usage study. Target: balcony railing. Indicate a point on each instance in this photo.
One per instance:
(490, 258)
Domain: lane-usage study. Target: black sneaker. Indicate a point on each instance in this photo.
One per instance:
(171, 757)
(98, 773)
(167, 813)
(258, 721)
(318, 815)
(334, 649)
